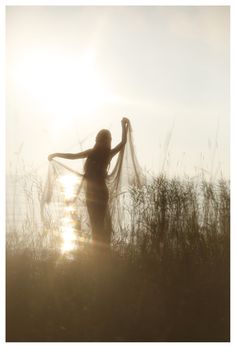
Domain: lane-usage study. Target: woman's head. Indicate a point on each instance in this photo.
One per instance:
(103, 138)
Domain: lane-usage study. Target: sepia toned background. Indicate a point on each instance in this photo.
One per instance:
(74, 70)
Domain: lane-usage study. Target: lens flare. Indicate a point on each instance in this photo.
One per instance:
(68, 238)
(68, 183)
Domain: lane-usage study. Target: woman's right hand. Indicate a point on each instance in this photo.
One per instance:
(50, 157)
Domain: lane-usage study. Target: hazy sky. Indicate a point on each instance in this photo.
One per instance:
(74, 70)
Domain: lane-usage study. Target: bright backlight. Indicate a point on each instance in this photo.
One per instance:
(68, 183)
(63, 85)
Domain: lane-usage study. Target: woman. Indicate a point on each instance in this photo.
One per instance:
(95, 173)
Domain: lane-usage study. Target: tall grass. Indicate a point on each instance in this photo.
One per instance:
(166, 279)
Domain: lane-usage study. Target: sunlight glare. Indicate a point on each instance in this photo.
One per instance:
(68, 237)
(70, 209)
(69, 183)
(62, 84)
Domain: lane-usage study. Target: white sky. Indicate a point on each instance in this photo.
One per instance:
(74, 70)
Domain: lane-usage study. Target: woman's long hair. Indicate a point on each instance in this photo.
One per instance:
(98, 160)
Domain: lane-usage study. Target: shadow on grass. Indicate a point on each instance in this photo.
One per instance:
(109, 297)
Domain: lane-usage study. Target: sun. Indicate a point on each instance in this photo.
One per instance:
(62, 84)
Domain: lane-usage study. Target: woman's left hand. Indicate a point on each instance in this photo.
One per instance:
(125, 120)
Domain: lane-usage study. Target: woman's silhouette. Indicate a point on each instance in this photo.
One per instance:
(95, 172)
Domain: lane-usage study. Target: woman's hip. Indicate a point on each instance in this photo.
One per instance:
(97, 192)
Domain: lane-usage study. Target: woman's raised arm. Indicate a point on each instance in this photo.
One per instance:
(70, 156)
(125, 124)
